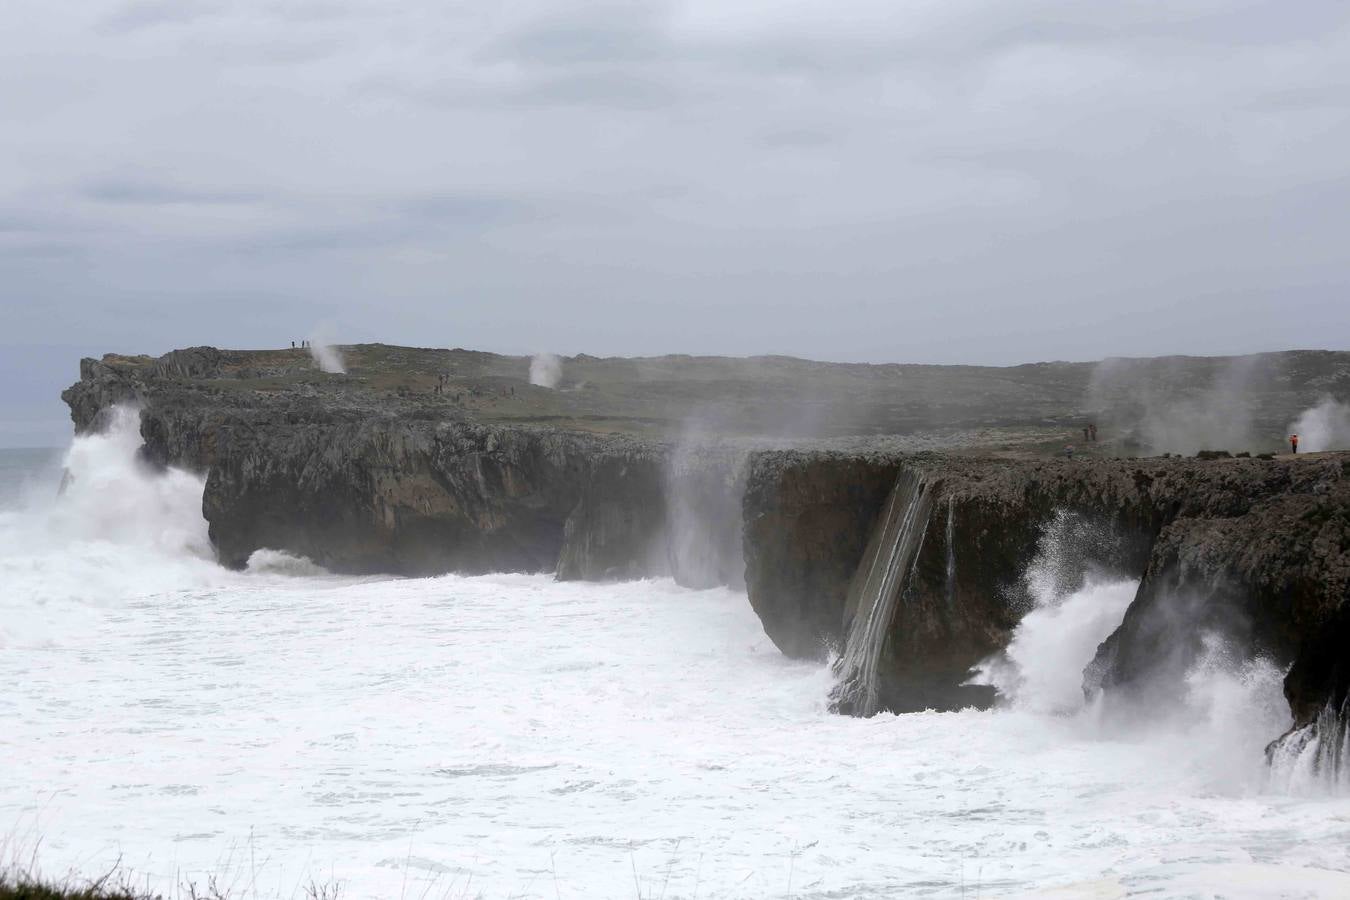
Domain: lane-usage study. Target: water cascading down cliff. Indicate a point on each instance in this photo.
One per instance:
(881, 583)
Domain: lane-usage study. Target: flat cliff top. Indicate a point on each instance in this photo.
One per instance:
(1031, 408)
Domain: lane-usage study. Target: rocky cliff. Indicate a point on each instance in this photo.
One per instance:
(408, 470)
(1255, 553)
(908, 563)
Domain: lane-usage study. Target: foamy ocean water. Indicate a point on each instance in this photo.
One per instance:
(508, 736)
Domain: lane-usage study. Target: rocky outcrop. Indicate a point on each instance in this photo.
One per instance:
(617, 530)
(1264, 566)
(1257, 547)
(808, 517)
(425, 461)
(411, 498)
(409, 482)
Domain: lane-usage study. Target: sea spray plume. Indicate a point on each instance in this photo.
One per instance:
(546, 370)
(1325, 426)
(1042, 668)
(325, 354)
(704, 483)
(1171, 408)
(108, 494)
(1188, 664)
(1207, 694)
(1314, 759)
(1078, 588)
(119, 528)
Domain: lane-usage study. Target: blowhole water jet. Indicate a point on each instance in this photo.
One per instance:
(327, 357)
(546, 370)
(1325, 426)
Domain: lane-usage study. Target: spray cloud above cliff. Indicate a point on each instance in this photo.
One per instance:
(546, 370)
(325, 354)
(1325, 426)
(1172, 409)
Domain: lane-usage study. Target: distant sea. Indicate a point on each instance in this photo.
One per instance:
(28, 471)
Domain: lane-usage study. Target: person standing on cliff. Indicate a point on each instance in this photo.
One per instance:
(1092, 433)
(1293, 443)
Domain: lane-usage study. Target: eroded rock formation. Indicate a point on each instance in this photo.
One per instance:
(421, 461)
(1255, 551)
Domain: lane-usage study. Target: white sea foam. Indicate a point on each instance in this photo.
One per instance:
(512, 736)
(1215, 725)
(117, 531)
(1042, 669)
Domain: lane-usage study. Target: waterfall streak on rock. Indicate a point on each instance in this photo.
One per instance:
(888, 564)
(951, 550)
(1313, 759)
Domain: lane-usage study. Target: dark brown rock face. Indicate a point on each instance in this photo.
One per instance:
(361, 480)
(1254, 550)
(411, 498)
(617, 530)
(808, 518)
(1264, 565)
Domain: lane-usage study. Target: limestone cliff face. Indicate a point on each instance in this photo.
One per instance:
(617, 530)
(411, 498)
(1258, 550)
(405, 483)
(1257, 554)
(808, 518)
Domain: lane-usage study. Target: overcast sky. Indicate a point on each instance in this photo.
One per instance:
(984, 181)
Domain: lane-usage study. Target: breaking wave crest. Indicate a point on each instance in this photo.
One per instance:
(1215, 723)
(1042, 669)
(117, 528)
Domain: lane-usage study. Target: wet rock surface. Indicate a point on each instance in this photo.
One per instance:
(1256, 552)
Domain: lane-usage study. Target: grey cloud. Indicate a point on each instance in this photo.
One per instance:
(462, 208)
(38, 251)
(142, 14)
(363, 224)
(617, 90)
(587, 37)
(13, 223)
(947, 180)
(796, 137)
(134, 191)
